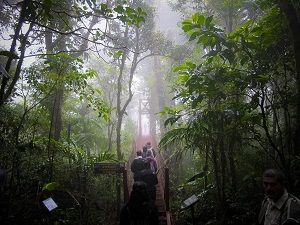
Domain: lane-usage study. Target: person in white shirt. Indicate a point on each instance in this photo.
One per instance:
(279, 207)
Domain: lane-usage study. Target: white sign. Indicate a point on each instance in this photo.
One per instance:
(50, 204)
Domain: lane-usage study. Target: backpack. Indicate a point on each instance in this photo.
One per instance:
(152, 166)
(138, 165)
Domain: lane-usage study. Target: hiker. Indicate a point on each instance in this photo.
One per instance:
(279, 207)
(149, 177)
(152, 160)
(140, 209)
(148, 146)
(137, 165)
(144, 152)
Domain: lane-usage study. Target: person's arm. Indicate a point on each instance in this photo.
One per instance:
(133, 166)
(155, 179)
(155, 164)
(154, 153)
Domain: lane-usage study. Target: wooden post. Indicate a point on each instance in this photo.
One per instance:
(125, 184)
(193, 215)
(167, 193)
(140, 117)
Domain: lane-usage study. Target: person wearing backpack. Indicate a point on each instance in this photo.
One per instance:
(150, 178)
(152, 160)
(140, 209)
(137, 165)
(279, 207)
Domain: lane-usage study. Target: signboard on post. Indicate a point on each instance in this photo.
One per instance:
(108, 167)
(113, 167)
(189, 203)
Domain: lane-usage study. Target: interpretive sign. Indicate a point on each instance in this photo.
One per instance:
(189, 202)
(50, 204)
(106, 167)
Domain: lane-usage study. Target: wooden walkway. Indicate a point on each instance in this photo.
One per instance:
(162, 188)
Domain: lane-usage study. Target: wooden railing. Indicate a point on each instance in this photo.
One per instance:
(128, 169)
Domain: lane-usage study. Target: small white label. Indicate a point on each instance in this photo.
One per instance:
(50, 204)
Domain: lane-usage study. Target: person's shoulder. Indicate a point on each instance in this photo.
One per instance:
(294, 207)
(141, 160)
(138, 159)
(294, 199)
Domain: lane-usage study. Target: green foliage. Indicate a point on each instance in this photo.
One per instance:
(228, 104)
(50, 186)
(9, 54)
(105, 156)
(130, 15)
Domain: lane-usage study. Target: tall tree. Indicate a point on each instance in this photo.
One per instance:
(138, 43)
(289, 9)
(233, 89)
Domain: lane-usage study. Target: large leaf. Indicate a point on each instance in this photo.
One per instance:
(50, 186)
(199, 175)
(9, 54)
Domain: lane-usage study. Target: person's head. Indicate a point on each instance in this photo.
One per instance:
(138, 152)
(148, 143)
(139, 192)
(149, 153)
(274, 182)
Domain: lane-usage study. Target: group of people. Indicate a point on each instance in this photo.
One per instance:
(278, 208)
(141, 207)
(144, 169)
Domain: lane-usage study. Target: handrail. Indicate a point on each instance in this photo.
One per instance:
(161, 170)
(163, 173)
(128, 166)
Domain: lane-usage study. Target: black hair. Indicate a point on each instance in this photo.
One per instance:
(139, 192)
(138, 206)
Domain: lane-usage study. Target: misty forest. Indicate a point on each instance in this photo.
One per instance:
(219, 80)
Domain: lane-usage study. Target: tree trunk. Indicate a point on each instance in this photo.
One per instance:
(290, 13)
(4, 95)
(160, 92)
(119, 95)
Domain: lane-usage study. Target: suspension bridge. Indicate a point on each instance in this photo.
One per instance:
(162, 188)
